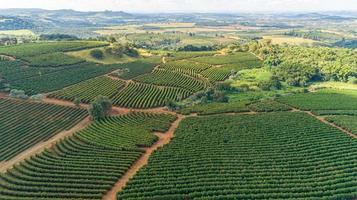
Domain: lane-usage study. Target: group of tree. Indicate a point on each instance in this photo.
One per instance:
(197, 48)
(120, 50)
(298, 65)
(100, 107)
(58, 37)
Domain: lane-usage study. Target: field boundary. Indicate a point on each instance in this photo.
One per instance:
(164, 138)
(39, 147)
(323, 120)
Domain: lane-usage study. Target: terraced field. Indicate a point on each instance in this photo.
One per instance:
(140, 95)
(279, 155)
(186, 67)
(52, 80)
(86, 165)
(24, 124)
(216, 73)
(172, 79)
(88, 90)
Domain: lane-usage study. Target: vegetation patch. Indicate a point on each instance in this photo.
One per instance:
(239, 155)
(26, 123)
(86, 165)
(215, 108)
(268, 105)
(347, 122)
(326, 99)
(88, 90)
(140, 95)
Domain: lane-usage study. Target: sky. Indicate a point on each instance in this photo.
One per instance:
(152, 6)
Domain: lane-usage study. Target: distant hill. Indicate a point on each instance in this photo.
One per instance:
(14, 23)
(68, 18)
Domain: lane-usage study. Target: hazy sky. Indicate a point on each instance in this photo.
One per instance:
(185, 5)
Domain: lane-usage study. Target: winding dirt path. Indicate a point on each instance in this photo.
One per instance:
(39, 147)
(164, 138)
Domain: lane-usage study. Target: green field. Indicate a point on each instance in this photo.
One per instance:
(268, 106)
(264, 156)
(88, 90)
(326, 99)
(215, 108)
(33, 49)
(26, 123)
(171, 78)
(346, 121)
(140, 95)
(85, 165)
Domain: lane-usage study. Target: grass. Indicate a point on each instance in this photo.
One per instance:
(251, 77)
(108, 58)
(334, 85)
(291, 40)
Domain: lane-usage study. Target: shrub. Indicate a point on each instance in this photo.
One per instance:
(14, 93)
(352, 79)
(97, 54)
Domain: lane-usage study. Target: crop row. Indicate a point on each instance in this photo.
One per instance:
(86, 165)
(268, 106)
(33, 49)
(326, 99)
(58, 79)
(216, 74)
(88, 90)
(171, 78)
(141, 95)
(23, 124)
(186, 67)
(279, 155)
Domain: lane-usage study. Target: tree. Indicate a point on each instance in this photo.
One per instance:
(18, 94)
(77, 101)
(295, 74)
(100, 107)
(272, 84)
(219, 96)
(97, 54)
(223, 86)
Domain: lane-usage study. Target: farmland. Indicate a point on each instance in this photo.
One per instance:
(26, 123)
(85, 165)
(326, 99)
(107, 105)
(140, 95)
(88, 90)
(26, 50)
(247, 156)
